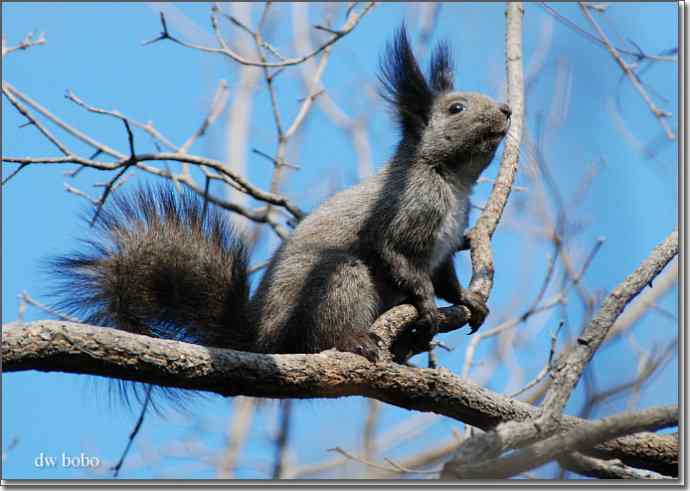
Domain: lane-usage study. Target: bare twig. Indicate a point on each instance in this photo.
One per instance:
(225, 50)
(569, 368)
(547, 367)
(648, 367)
(25, 112)
(220, 100)
(355, 127)
(135, 431)
(637, 54)
(282, 438)
(253, 191)
(69, 129)
(393, 466)
(31, 39)
(643, 302)
(604, 469)
(29, 300)
(369, 431)
(628, 70)
(502, 327)
(237, 433)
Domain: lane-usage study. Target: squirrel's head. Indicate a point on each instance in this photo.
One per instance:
(440, 124)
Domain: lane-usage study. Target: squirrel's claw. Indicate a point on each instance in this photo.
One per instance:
(428, 319)
(478, 309)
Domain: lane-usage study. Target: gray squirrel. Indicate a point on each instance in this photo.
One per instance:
(166, 265)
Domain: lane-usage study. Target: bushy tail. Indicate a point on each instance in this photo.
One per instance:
(162, 264)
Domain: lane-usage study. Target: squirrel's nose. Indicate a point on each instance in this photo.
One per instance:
(505, 109)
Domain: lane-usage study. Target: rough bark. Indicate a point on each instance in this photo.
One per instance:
(78, 348)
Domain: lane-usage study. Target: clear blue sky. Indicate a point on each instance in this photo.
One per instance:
(95, 51)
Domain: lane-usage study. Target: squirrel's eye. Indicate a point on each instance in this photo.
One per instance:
(456, 108)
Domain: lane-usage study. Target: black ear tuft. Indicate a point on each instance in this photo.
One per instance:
(441, 69)
(404, 87)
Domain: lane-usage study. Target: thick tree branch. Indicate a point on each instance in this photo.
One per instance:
(78, 348)
(582, 437)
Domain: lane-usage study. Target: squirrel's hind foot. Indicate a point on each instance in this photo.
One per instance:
(360, 343)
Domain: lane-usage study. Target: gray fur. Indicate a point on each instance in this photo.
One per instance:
(378, 244)
(386, 241)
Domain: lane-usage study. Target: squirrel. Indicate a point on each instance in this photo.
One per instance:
(168, 265)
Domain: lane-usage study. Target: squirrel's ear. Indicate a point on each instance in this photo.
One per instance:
(441, 69)
(404, 87)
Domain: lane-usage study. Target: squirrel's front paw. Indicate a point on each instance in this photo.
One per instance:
(478, 309)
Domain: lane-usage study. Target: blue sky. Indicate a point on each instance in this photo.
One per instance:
(95, 50)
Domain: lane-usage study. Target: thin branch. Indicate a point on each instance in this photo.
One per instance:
(24, 297)
(585, 266)
(216, 165)
(356, 128)
(480, 235)
(648, 368)
(26, 43)
(273, 160)
(604, 469)
(393, 466)
(225, 50)
(69, 129)
(369, 430)
(503, 327)
(637, 54)
(135, 431)
(547, 367)
(634, 79)
(243, 409)
(646, 300)
(25, 112)
(569, 368)
(282, 439)
(220, 100)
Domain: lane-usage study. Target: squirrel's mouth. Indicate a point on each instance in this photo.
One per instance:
(496, 136)
(503, 131)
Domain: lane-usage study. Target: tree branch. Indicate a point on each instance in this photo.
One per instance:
(604, 469)
(584, 436)
(224, 49)
(480, 235)
(569, 367)
(248, 188)
(630, 73)
(78, 348)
